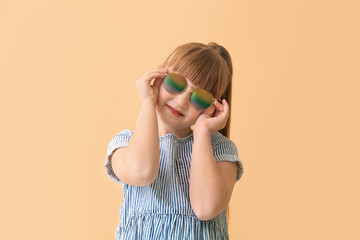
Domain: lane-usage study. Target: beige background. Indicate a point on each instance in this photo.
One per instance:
(68, 72)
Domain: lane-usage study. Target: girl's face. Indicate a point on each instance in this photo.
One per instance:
(175, 111)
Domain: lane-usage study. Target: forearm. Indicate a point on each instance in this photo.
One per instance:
(206, 185)
(143, 149)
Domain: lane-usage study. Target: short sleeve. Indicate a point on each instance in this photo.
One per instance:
(225, 150)
(120, 140)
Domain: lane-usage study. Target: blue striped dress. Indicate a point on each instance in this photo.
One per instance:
(162, 209)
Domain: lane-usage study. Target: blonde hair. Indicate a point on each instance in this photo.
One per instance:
(207, 66)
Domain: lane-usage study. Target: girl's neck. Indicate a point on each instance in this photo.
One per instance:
(179, 133)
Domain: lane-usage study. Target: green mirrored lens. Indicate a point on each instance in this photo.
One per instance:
(174, 83)
(201, 99)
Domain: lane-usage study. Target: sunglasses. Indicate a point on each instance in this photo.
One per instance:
(200, 98)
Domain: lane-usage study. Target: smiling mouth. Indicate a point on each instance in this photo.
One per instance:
(174, 111)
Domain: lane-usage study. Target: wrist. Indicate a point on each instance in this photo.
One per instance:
(201, 131)
(148, 102)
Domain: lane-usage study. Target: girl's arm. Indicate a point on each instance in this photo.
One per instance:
(211, 183)
(138, 163)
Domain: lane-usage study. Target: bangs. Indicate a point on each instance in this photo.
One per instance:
(201, 65)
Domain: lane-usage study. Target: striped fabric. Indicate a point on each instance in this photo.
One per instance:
(162, 209)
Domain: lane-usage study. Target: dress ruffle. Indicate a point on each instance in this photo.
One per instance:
(170, 226)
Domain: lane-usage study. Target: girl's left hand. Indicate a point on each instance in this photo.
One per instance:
(214, 118)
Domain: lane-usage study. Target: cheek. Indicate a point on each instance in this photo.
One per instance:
(163, 94)
(195, 114)
(194, 119)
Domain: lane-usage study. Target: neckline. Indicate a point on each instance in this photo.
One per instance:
(173, 136)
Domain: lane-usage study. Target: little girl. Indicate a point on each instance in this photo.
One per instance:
(178, 167)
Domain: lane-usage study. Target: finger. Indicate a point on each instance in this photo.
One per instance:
(219, 106)
(210, 111)
(150, 78)
(222, 109)
(158, 70)
(156, 74)
(225, 104)
(157, 82)
(226, 108)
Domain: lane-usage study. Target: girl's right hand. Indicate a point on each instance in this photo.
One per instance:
(148, 91)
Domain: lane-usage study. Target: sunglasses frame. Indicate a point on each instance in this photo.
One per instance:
(186, 86)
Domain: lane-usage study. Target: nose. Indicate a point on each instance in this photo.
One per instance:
(183, 99)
